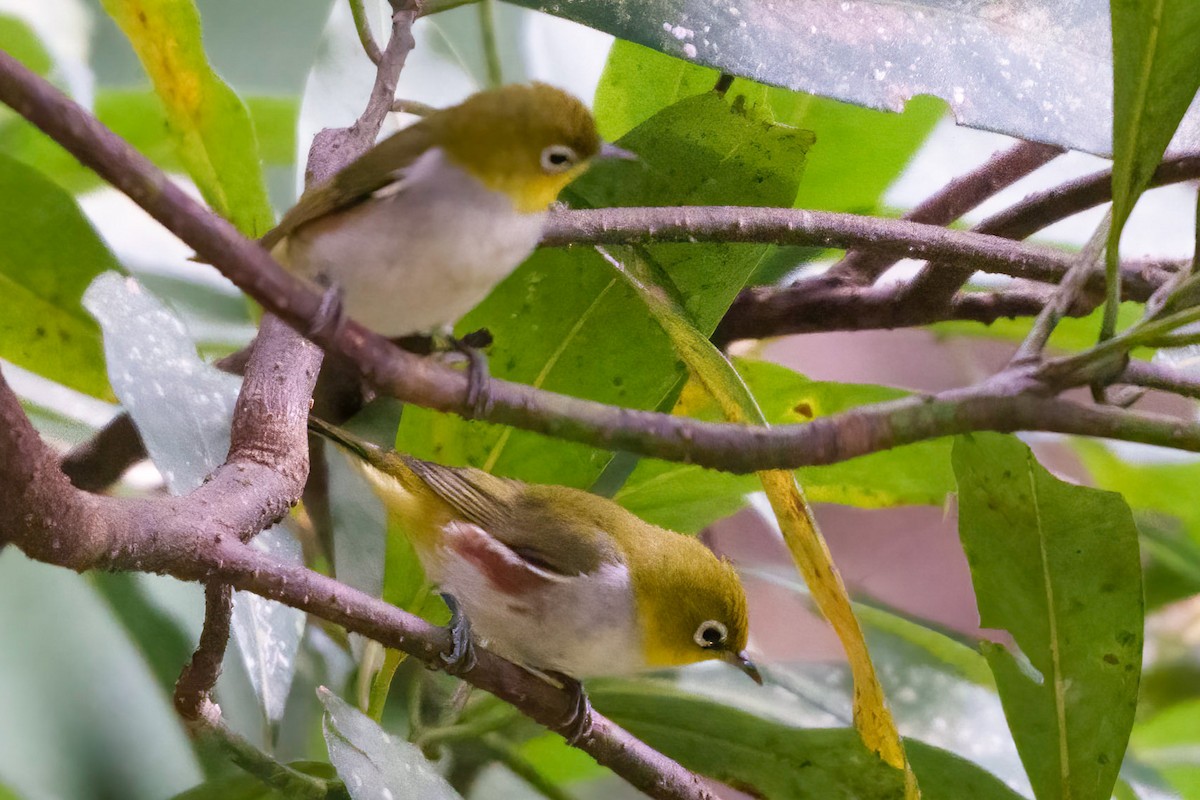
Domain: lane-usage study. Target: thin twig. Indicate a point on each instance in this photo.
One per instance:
(1040, 210)
(194, 688)
(952, 201)
(1162, 378)
(1065, 297)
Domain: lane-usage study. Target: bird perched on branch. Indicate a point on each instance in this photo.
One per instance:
(563, 582)
(418, 230)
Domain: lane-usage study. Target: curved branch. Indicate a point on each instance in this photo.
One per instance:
(413, 379)
(938, 283)
(199, 537)
(952, 201)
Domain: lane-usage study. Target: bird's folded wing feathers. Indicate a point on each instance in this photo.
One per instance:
(511, 513)
(368, 173)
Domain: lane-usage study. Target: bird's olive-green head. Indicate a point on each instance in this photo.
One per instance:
(691, 605)
(527, 140)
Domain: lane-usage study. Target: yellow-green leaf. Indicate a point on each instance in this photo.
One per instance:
(212, 128)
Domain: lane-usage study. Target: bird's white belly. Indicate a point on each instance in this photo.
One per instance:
(416, 260)
(582, 626)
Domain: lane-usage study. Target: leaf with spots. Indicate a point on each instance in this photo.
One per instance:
(50, 255)
(373, 764)
(213, 132)
(1057, 566)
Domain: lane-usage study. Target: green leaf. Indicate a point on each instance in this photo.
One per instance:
(1156, 72)
(558, 762)
(1165, 488)
(685, 497)
(1038, 70)
(565, 322)
(18, 40)
(1168, 522)
(772, 760)
(857, 154)
(374, 764)
(1057, 566)
(1170, 742)
(212, 129)
(138, 117)
(50, 255)
(68, 732)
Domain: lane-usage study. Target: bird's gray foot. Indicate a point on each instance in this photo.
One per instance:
(578, 721)
(330, 314)
(478, 397)
(460, 657)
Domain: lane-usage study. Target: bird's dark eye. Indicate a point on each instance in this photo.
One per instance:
(711, 634)
(558, 158)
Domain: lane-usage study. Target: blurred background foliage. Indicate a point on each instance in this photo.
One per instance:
(88, 662)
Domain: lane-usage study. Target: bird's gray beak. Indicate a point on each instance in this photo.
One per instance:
(610, 151)
(743, 663)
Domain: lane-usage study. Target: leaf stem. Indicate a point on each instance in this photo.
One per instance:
(382, 684)
(363, 27)
(491, 49)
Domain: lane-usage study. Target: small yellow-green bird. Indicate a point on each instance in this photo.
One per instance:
(419, 229)
(563, 582)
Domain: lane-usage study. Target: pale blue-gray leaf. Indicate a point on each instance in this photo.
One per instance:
(372, 763)
(182, 408)
(267, 633)
(1037, 69)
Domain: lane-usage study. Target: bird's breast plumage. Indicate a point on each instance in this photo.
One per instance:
(422, 252)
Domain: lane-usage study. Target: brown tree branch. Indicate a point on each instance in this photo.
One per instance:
(938, 283)
(788, 226)
(199, 537)
(194, 688)
(763, 312)
(100, 462)
(412, 379)
(862, 268)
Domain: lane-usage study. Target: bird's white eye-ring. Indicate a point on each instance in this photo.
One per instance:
(558, 158)
(711, 634)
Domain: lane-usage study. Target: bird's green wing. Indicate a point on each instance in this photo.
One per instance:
(481, 498)
(355, 182)
(524, 518)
